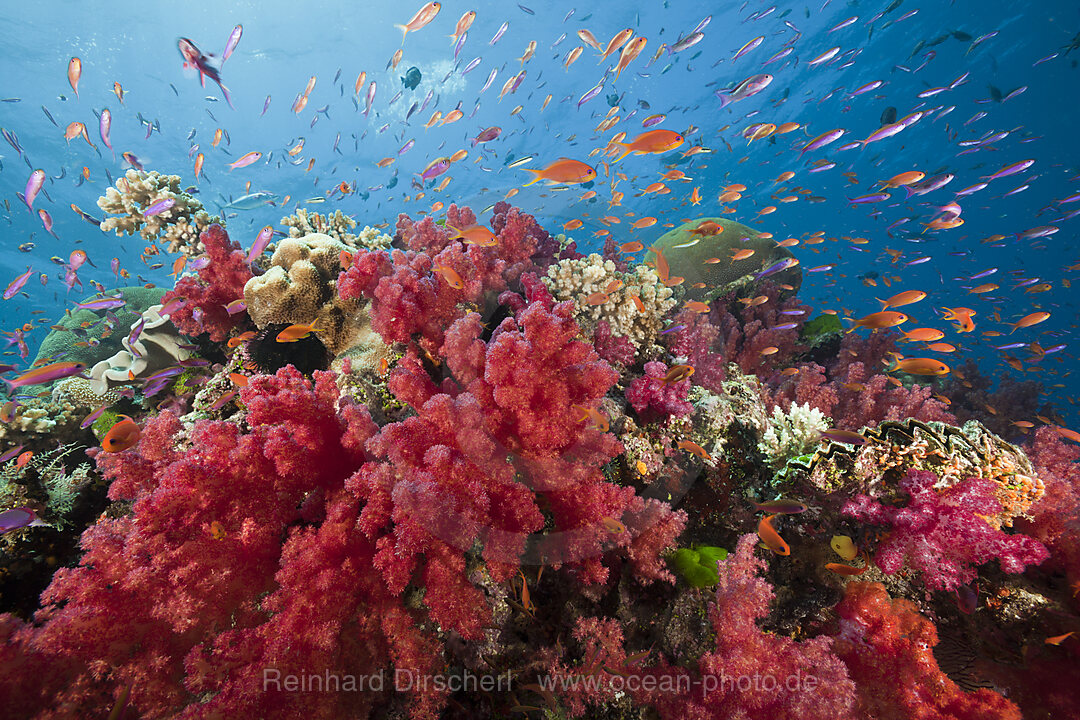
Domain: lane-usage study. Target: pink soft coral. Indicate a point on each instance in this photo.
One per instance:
(219, 283)
(654, 399)
(944, 534)
(888, 648)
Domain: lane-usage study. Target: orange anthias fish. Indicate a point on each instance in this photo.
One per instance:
(422, 17)
(904, 178)
(241, 338)
(475, 235)
(962, 316)
(677, 373)
(1028, 320)
(653, 141)
(450, 276)
(616, 42)
(121, 436)
(563, 171)
(908, 297)
(922, 335)
(297, 332)
(74, 73)
(919, 366)
(880, 320)
(599, 420)
(629, 53)
(693, 447)
(707, 228)
(770, 537)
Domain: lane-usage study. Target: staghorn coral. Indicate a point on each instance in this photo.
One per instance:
(578, 279)
(179, 226)
(951, 453)
(792, 433)
(338, 226)
(944, 534)
(301, 287)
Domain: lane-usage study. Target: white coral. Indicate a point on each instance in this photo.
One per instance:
(179, 226)
(792, 433)
(578, 279)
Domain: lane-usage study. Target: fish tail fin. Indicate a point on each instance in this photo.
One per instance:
(626, 150)
(225, 92)
(884, 303)
(536, 179)
(404, 32)
(909, 192)
(725, 99)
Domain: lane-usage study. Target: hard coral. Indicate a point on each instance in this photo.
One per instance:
(301, 287)
(887, 647)
(944, 535)
(179, 225)
(219, 283)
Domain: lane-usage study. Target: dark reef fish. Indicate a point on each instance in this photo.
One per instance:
(412, 78)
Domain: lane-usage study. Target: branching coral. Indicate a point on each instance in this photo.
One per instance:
(338, 226)
(888, 649)
(792, 433)
(179, 225)
(301, 286)
(580, 280)
(945, 534)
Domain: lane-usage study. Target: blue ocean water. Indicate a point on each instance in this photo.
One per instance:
(981, 53)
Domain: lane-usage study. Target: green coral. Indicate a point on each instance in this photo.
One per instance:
(814, 331)
(104, 423)
(698, 565)
(182, 387)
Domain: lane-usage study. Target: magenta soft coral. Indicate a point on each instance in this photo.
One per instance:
(506, 443)
(218, 284)
(749, 674)
(888, 649)
(653, 399)
(943, 534)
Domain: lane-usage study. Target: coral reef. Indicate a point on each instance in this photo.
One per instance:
(792, 433)
(338, 226)
(157, 345)
(177, 226)
(203, 298)
(600, 290)
(944, 534)
(300, 288)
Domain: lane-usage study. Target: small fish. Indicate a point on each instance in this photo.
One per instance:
(18, 518)
(844, 436)
(121, 436)
(422, 17)
(74, 72)
(780, 506)
(232, 42)
(297, 332)
(46, 373)
(159, 207)
(245, 160)
(770, 537)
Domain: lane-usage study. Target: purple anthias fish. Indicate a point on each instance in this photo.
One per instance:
(747, 88)
(876, 197)
(17, 284)
(159, 207)
(591, 93)
(776, 267)
(261, 241)
(17, 518)
(487, 135)
(33, 186)
(369, 99)
(436, 168)
(106, 303)
(1008, 170)
(133, 337)
(104, 125)
(928, 185)
(232, 42)
(822, 140)
(194, 58)
(687, 42)
(471, 66)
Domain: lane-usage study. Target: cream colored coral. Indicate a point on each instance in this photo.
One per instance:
(338, 226)
(578, 279)
(300, 286)
(80, 392)
(792, 433)
(179, 226)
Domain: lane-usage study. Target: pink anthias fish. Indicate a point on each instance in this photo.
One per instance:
(33, 186)
(487, 135)
(261, 241)
(232, 42)
(161, 206)
(747, 88)
(245, 160)
(370, 98)
(436, 168)
(46, 374)
(17, 284)
(47, 222)
(194, 58)
(104, 125)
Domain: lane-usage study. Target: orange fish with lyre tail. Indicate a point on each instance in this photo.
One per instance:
(422, 17)
(908, 297)
(880, 320)
(563, 171)
(297, 332)
(770, 537)
(653, 141)
(962, 317)
(598, 419)
(918, 366)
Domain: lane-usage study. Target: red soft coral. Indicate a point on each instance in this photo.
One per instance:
(888, 648)
(944, 534)
(653, 399)
(219, 283)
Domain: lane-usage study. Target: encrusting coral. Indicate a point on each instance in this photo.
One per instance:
(300, 286)
(178, 226)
